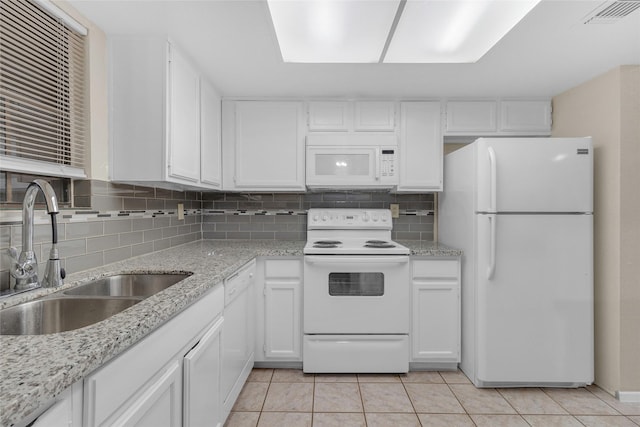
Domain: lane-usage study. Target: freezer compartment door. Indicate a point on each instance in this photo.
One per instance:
(534, 299)
(534, 175)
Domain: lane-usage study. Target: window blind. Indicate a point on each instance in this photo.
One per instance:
(42, 92)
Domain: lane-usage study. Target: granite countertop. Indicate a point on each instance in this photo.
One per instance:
(422, 248)
(36, 368)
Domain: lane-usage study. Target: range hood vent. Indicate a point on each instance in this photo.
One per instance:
(611, 12)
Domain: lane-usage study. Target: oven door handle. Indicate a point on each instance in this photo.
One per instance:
(332, 259)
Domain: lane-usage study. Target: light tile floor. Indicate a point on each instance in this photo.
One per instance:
(290, 398)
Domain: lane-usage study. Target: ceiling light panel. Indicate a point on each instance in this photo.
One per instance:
(453, 31)
(332, 31)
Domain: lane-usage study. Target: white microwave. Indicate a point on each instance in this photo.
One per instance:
(352, 161)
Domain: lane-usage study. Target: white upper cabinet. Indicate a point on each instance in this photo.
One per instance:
(184, 119)
(329, 116)
(471, 116)
(263, 146)
(156, 116)
(498, 117)
(374, 116)
(522, 116)
(210, 136)
(352, 116)
(420, 147)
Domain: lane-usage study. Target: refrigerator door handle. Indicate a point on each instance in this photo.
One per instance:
(493, 180)
(492, 246)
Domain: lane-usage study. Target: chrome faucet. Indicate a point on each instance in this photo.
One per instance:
(24, 268)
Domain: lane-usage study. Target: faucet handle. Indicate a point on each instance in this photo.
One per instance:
(24, 266)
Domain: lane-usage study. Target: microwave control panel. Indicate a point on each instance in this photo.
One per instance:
(388, 160)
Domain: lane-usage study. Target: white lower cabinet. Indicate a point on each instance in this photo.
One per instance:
(279, 307)
(435, 329)
(159, 405)
(65, 411)
(202, 403)
(144, 386)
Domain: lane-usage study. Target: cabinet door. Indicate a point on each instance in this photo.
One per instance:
(67, 411)
(184, 119)
(161, 403)
(375, 116)
(519, 116)
(329, 116)
(436, 322)
(420, 147)
(269, 146)
(283, 321)
(202, 381)
(210, 144)
(471, 117)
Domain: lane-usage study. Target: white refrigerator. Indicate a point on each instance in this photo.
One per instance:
(521, 209)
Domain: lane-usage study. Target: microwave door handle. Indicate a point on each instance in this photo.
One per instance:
(377, 164)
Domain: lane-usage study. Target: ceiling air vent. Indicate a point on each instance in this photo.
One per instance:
(611, 12)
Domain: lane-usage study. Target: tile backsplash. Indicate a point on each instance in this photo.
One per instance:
(112, 221)
(283, 215)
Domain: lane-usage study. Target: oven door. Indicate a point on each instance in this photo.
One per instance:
(356, 294)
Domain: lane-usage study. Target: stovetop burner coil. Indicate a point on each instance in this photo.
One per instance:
(326, 244)
(381, 244)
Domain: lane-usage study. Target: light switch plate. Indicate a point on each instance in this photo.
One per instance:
(395, 210)
(180, 211)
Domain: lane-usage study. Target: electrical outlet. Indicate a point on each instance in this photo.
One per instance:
(395, 210)
(180, 211)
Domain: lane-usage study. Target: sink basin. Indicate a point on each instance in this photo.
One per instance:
(128, 285)
(54, 315)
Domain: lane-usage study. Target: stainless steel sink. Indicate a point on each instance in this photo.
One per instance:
(51, 315)
(128, 285)
(84, 305)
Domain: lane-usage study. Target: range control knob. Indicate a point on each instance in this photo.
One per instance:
(375, 217)
(365, 217)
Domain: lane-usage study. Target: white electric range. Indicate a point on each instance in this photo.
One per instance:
(356, 293)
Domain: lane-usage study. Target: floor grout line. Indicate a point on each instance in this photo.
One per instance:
(364, 412)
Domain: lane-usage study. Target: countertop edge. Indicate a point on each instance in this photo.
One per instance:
(84, 350)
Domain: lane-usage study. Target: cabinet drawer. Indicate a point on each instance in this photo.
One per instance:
(435, 269)
(283, 268)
